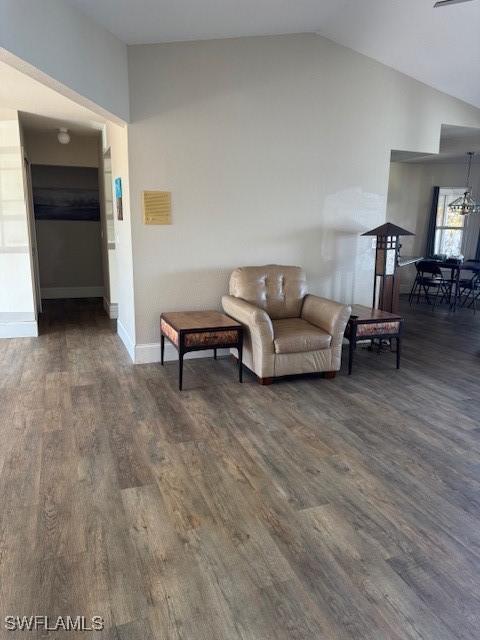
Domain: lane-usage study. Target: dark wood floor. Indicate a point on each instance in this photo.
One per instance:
(316, 509)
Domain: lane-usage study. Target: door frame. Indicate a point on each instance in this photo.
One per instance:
(32, 232)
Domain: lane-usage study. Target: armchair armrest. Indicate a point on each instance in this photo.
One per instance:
(328, 315)
(332, 317)
(255, 319)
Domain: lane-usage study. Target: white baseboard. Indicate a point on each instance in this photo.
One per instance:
(148, 353)
(111, 308)
(26, 329)
(52, 293)
(126, 339)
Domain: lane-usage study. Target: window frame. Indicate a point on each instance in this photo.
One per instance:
(455, 192)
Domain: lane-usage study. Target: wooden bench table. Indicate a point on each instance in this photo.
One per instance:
(369, 324)
(197, 331)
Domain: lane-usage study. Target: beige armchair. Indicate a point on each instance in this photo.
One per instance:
(287, 331)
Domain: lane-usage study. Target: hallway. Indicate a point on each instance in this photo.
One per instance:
(306, 510)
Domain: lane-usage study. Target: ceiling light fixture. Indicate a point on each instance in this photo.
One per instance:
(63, 136)
(464, 205)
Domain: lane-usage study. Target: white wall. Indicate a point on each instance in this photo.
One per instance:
(115, 138)
(276, 149)
(108, 233)
(69, 49)
(17, 306)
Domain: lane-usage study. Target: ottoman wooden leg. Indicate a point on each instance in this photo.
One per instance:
(240, 364)
(351, 349)
(180, 371)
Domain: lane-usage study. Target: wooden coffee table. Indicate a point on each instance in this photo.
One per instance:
(198, 331)
(368, 324)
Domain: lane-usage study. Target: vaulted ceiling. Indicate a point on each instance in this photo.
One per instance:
(440, 47)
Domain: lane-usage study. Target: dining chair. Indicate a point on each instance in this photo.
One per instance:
(430, 278)
(469, 285)
(451, 273)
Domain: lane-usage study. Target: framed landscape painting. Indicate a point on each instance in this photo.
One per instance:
(65, 193)
(66, 204)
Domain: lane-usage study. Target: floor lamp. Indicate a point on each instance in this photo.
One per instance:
(386, 283)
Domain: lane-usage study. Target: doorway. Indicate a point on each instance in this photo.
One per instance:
(66, 191)
(422, 187)
(66, 202)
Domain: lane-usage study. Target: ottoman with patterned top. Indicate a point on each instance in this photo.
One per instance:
(197, 331)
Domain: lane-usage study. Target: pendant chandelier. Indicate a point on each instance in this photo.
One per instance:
(464, 205)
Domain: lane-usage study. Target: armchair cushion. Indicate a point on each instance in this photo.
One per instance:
(294, 335)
